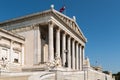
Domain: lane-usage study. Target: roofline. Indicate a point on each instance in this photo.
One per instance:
(73, 21)
(63, 14)
(81, 32)
(38, 13)
(23, 17)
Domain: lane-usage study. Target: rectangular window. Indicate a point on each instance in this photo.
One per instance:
(16, 57)
(4, 54)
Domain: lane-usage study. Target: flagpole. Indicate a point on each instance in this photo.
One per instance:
(65, 10)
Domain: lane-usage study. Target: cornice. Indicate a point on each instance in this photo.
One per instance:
(27, 17)
(5, 45)
(73, 21)
(77, 30)
(66, 25)
(63, 15)
(12, 34)
(26, 28)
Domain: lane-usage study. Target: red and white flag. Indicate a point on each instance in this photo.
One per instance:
(62, 9)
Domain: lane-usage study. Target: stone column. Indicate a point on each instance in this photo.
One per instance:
(64, 49)
(23, 53)
(73, 54)
(11, 51)
(20, 57)
(80, 56)
(58, 43)
(39, 44)
(51, 42)
(83, 56)
(35, 46)
(76, 56)
(69, 52)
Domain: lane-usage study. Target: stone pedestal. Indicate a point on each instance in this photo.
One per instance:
(58, 72)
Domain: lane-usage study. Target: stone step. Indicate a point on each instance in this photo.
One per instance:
(34, 68)
(14, 78)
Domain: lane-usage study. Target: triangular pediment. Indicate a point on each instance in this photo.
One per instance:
(71, 23)
(67, 20)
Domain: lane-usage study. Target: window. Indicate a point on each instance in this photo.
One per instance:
(15, 60)
(16, 57)
(4, 54)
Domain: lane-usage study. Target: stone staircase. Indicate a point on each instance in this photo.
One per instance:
(48, 76)
(28, 68)
(43, 75)
(59, 75)
(64, 76)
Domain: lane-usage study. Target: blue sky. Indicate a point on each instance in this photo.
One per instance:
(99, 20)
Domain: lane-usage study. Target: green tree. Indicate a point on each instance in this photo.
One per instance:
(117, 76)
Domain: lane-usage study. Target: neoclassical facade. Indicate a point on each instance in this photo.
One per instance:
(11, 50)
(49, 34)
(43, 41)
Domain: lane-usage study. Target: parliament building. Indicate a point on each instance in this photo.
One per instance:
(47, 45)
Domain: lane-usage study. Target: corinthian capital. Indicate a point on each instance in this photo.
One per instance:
(51, 23)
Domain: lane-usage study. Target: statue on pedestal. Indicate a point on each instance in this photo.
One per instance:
(55, 64)
(4, 64)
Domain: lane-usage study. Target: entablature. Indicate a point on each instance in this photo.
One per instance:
(43, 17)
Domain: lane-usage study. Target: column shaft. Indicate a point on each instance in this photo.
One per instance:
(39, 44)
(35, 47)
(77, 56)
(20, 57)
(23, 54)
(11, 51)
(51, 45)
(83, 56)
(63, 49)
(69, 52)
(58, 43)
(73, 54)
(80, 56)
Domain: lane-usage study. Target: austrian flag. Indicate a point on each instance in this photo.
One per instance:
(62, 9)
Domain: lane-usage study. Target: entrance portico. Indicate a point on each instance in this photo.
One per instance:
(62, 44)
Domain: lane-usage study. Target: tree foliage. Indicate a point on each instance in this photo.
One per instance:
(117, 76)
